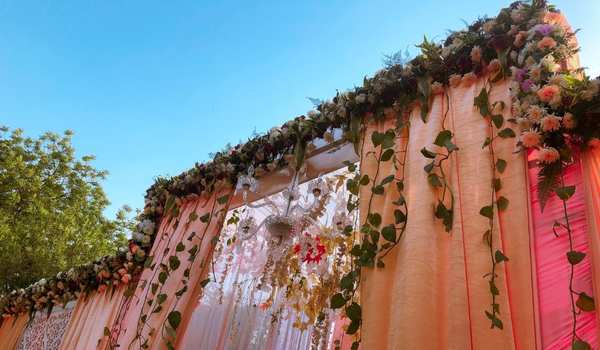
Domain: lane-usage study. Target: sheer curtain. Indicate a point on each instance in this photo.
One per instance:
(232, 312)
(45, 331)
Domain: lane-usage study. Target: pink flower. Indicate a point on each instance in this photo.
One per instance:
(102, 288)
(519, 39)
(454, 80)
(437, 88)
(126, 278)
(546, 43)
(476, 54)
(549, 93)
(548, 155)
(122, 271)
(569, 121)
(469, 78)
(494, 65)
(530, 139)
(550, 123)
(535, 113)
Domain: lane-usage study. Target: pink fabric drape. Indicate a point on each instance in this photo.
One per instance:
(91, 316)
(433, 287)
(11, 331)
(189, 232)
(552, 267)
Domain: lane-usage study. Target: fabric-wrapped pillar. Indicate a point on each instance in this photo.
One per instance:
(11, 330)
(181, 259)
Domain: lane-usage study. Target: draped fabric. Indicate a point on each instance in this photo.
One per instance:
(11, 330)
(432, 292)
(90, 317)
(45, 331)
(232, 313)
(552, 267)
(187, 229)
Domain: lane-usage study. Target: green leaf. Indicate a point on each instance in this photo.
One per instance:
(174, 262)
(106, 332)
(353, 327)
(174, 319)
(388, 139)
(378, 189)
(507, 133)
(204, 282)
(364, 180)
(482, 102)
(498, 120)
(500, 257)
(585, 302)
(180, 247)
(353, 311)
(387, 155)
(389, 233)
(429, 167)
(487, 211)
(377, 138)
(223, 199)
(399, 216)
(434, 180)
(502, 203)
(337, 301)
(193, 217)
(387, 180)
(162, 277)
(161, 298)
(374, 219)
(347, 282)
(497, 184)
(204, 218)
(427, 153)
(581, 345)
(355, 345)
(500, 165)
(443, 137)
(565, 193)
(575, 257)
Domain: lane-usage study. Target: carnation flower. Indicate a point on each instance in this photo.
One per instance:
(494, 65)
(546, 43)
(454, 80)
(530, 139)
(569, 121)
(548, 155)
(476, 54)
(550, 123)
(549, 93)
(535, 113)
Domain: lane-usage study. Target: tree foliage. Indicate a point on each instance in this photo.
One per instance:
(51, 209)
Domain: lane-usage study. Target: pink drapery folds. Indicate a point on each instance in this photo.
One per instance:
(167, 292)
(11, 330)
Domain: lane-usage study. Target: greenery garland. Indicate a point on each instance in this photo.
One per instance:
(556, 110)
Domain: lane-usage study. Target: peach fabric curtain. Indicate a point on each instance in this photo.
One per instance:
(89, 318)
(190, 233)
(432, 292)
(11, 330)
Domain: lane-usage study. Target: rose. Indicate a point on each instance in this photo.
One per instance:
(530, 139)
(546, 43)
(550, 123)
(549, 93)
(548, 155)
(126, 278)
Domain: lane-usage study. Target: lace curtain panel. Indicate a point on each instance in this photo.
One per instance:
(45, 331)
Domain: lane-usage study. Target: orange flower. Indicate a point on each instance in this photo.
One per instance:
(549, 93)
(548, 155)
(530, 139)
(546, 43)
(125, 279)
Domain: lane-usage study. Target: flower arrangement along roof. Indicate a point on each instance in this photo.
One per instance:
(489, 46)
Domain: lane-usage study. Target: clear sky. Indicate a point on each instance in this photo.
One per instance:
(151, 87)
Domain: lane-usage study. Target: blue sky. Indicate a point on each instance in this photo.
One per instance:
(150, 89)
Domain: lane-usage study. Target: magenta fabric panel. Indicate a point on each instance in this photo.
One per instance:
(552, 267)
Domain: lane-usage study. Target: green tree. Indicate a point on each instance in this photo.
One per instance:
(51, 209)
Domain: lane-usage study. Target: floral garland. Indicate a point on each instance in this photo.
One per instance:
(556, 110)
